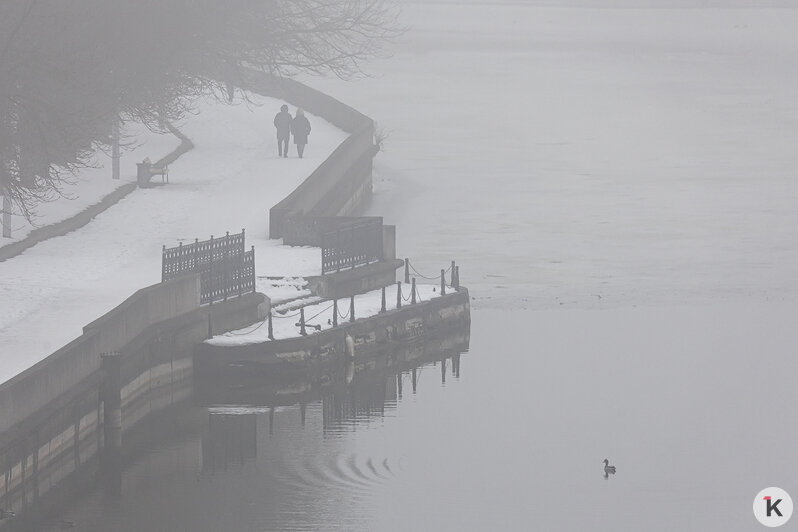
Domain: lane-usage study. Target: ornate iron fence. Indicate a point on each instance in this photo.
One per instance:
(226, 269)
(356, 242)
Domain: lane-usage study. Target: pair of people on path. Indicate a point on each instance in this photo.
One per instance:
(298, 126)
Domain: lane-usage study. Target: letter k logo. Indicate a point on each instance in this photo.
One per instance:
(772, 506)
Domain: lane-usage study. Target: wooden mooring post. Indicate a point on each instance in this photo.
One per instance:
(271, 326)
(398, 294)
(413, 292)
(382, 307)
(443, 282)
(352, 309)
(407, 270)
(335, 313)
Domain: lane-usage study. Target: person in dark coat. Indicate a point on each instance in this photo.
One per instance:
(300, 128)
(282, 121)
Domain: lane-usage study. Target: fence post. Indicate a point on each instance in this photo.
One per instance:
(352, 248)
(398, 294)
(382, 307)
(335, 312)
(338, 249)
(452, 274)
(407, 270)
(210, 271)
(302, 322)
(443, 282)
(253, 276)
(413, 293)
(226, 264)
(352, 309)
(239, 269)
(271, 327)
(457, 286)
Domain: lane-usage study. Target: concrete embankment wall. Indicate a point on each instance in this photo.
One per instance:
(407, 323)
(52, 414)
(343, 182)
(31, 390)
(338, 187)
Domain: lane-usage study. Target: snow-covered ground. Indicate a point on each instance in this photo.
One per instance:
(228, 182)
(592, 156)
(92, 184)
(284, 324)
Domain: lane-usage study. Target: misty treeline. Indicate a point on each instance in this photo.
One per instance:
(70, 70)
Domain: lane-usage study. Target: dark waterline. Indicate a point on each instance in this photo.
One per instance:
(673, 397)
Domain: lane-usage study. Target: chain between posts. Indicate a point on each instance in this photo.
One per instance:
(414, 298)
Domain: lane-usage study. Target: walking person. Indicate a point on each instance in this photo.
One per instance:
(300, 128)
(282, 121)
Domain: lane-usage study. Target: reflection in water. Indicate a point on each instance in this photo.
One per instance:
(516, 443)
(262, 454)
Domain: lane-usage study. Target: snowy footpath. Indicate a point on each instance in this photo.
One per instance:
(92, 184)
(228, 182)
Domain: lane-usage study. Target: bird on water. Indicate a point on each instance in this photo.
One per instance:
(608, 469)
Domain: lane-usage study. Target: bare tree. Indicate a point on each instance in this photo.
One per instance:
(70, 71)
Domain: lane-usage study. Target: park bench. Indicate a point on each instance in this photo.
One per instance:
(146, 170)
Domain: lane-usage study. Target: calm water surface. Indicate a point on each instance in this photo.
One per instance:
(691, 405)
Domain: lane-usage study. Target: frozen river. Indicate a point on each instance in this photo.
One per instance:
(592, 157)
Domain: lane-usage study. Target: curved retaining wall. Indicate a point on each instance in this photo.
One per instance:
(336, 186)
(342, 183)
(51, 414)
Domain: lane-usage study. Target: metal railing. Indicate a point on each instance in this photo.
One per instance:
(356, 242)
(226, 269)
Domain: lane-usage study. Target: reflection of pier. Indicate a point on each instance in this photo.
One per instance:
(78, 440)
(90, 439)
(350, 392)
(338, 376)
